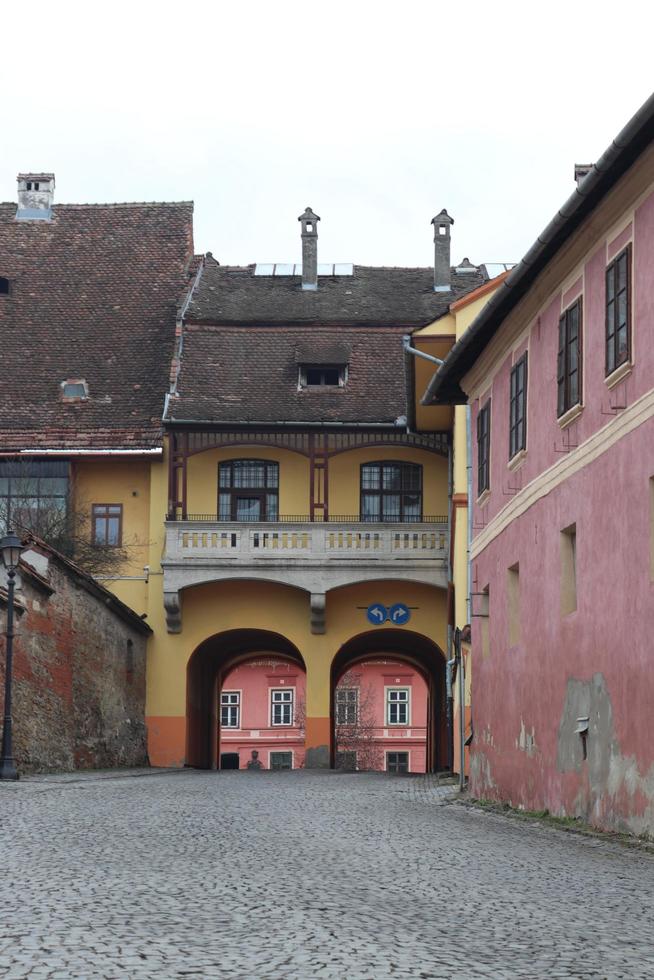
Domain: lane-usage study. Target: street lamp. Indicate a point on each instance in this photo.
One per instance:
(10, 549)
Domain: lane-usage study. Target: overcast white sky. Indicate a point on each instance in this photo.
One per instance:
(377, 114)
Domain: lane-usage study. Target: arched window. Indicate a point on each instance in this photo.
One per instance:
(248, 490)
(391, 492)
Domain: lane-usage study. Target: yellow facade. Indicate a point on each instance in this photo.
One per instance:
(247, 602)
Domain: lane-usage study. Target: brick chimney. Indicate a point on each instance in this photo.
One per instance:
(35, 196)
(442, 279)
(309, 222)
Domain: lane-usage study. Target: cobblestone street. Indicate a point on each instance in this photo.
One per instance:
(300, 875)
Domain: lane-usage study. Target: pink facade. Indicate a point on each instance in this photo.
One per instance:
(563, 545)
(380, 711)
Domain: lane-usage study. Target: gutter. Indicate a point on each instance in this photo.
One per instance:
(444, 387)
(158, 451)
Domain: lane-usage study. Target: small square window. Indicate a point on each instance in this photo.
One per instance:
(397, 762)
(281, 760)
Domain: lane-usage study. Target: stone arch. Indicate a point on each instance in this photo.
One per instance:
(421, 653)
(207, 666)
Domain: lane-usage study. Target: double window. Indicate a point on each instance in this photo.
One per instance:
(518, 407)
(230, 709)
(618, 311)
(397, 706)
(107, 525)
(248, 490)
(347, 705)
(281, 707)
(568, 375)
(483, 448)
(391, 492)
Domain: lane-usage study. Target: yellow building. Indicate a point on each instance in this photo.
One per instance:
(260, 455)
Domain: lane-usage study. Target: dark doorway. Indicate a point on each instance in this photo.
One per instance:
(229, 760)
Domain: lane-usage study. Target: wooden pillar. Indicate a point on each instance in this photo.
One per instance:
(318, 477)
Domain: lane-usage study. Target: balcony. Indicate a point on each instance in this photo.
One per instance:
(314, 556)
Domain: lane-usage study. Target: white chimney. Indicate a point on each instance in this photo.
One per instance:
(35, 196)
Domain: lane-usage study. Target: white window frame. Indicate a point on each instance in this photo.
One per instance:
(348, 690)
(273, 752)
(396, 701)
(405, 752)
(281, 702)
(233, 704)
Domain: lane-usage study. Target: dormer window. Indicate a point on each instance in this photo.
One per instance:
(4, 286)
(323, 376)
(74, 390)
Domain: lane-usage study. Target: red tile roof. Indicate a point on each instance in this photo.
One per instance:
(93, 294)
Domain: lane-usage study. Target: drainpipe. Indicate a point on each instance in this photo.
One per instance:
(449, 707)
(469, 489)
(462, 723)
(408, 349)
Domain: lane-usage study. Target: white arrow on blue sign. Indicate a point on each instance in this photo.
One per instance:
(399, 614)
(377, 613)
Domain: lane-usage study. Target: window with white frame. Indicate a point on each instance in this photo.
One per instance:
(230, 709)
(347, 705)
(281, 707)
(397, 706)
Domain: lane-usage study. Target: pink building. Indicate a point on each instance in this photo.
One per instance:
(559, 372)
(379, 716)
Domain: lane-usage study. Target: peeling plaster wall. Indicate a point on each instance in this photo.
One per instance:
(595, 662)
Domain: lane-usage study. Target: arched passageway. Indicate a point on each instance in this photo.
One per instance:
(423, 656)
(207, 668)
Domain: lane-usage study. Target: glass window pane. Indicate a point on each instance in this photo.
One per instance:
(225, 475)
(391, 504)
(622, 343)
(370, 505)
(411, 506)
(224, 507)
(610, 317)
(370, 477)
(622, 272)
(622, 308)
(271, 507)
(574, 389)
(113, 530)
(272, 474)
(391, 477)
(248, 509)
(99, 530)
(610, 284)
(411, 477)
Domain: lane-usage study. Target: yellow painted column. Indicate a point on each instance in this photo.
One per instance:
(318, 733)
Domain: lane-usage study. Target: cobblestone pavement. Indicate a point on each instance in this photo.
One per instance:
(305, 875)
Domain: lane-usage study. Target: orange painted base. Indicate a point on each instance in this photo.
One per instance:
(166, 740)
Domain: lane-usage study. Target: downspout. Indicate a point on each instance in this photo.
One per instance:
(450, 604)
(469, 489)
(462, 724)
(449, 688)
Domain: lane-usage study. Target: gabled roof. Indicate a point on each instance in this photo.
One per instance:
(631, 142)
(245, 336)
(93, 295)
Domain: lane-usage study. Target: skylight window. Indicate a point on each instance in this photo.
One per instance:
(74, 389)
(4, 286)
(288, 269)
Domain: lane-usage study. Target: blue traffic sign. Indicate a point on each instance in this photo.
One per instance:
(399, 614)
(377, 613)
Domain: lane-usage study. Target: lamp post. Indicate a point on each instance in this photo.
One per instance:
(10, 549)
